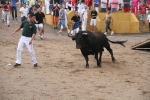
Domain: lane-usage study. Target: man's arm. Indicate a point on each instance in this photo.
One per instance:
(16, 30)
(33, 35)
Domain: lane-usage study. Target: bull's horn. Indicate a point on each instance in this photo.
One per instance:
(71, 35)
(84, 33)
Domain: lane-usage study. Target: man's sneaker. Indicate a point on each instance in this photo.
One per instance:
(40, 37)
(68, 30)
(105, 33)
(112, 33)
(60, 31)
(16, 65)
(35, 65)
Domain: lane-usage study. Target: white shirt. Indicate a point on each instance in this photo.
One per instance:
(24, 11)
(80, 7)
(47, 2)
(102, 4)
(84, 12)
(148, 17)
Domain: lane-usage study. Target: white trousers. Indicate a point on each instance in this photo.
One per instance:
(25, 41)
(43, 9)
(84, 22)
(47, 8)
(7, 15)
(3, 15)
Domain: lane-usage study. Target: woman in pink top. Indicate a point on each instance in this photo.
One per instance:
(135, 6)
(114, 5)
(148, 2)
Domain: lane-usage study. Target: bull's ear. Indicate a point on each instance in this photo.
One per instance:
(85, 34)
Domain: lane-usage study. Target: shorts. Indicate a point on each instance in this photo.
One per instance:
(55, 19)
(75, 25)
(96, 8)
(61, 22)
(38, 26)
(142, 16)
(113, 9)
(126, 9)
(103, 10)
(93, 22)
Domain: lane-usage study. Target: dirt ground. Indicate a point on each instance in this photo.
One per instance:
(61, 74)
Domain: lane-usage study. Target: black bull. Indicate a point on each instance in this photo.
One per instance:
(93, 43)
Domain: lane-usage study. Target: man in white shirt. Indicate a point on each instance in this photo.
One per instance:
(47, 4)
(80, 7)
(103, 5)
(84, 18)
(24, 12)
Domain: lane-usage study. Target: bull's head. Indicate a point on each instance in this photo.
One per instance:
(80, 39)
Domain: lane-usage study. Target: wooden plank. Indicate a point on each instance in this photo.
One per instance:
(138, 45)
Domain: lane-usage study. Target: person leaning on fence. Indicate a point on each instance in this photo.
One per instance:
(76, 23)
(108, 20)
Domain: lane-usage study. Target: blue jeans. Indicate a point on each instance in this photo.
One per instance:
(14, 9)
(108, 26)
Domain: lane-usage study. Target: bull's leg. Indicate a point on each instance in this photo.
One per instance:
(86, 59)
(111, 52)
(96, 57)
(100, 57)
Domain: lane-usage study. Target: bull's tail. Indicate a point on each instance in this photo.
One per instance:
(118, 42)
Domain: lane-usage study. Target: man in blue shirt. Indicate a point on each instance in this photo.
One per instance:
(13, 9)
(96, 3)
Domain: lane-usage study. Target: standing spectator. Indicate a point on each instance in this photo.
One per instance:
(103, 5)
(73, 4)
(3, 13)
(60, 2)
(51, 4)
(80, 7)
(142, 9)
(148, 2)
(28, 34)
(135, 6)
(47, 5)
(89, 4)
(93, 19)
(55, 15)
(84, 18)
(39, 22)
(24, 12)
(148, 20)
(37, 4)
(108, 20)
(126, 6)
(6, 7)
(62, 15)
(96, 3)
(13, 9)
(120, 4)
(76, 23)
(114, 5)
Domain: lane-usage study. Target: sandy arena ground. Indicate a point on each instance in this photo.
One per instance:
(61, 74)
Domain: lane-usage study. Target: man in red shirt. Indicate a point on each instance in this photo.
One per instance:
(89, 4)
(142, 10)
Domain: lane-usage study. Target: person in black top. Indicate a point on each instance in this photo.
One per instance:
(36, 4)
(93, 19)
(76, 23)
(39, 22)
(55, 15)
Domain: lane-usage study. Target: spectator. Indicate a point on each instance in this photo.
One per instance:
(39, 22)
(6, 7)
(76, 23)
(108, 20)
(120, 4)
(126, 6)
(148, 2)
(3, 13)
(114, 5)
(93, 19)
(135, 6)
(80, 7)
(55, 15)
(37, 4)
(43, 5)
(148, 20)
(73, 4)
(47, 5)
(51, 4)
(62, 15)
(84, 18)
(89, 4)
(96, 3)
(142, 10)
(13, 9)
(103, 5)
(28, 5)
(24, 12)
